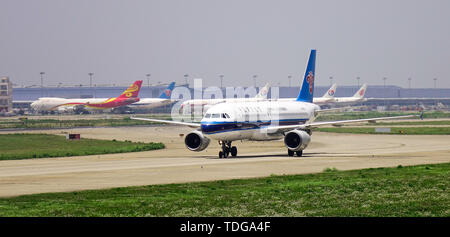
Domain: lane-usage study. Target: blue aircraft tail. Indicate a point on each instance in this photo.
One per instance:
(167, 92)
(307, 91)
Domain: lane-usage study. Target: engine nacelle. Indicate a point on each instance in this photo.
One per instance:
(297, 140)
(196, 141)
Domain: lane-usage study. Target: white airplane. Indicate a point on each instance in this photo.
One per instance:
(327, 98)
(205, 104)
(150, 103)
(62, 104)
(357, 97)
(262, 121)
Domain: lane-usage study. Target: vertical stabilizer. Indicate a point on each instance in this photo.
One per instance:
(167, 92)
(330, 92)
(361, 92)
(307, 91)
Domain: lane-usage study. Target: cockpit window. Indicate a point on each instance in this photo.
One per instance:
(225, 115)
(207, 115)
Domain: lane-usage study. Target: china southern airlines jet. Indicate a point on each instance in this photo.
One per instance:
(150, 103)
(262, 121)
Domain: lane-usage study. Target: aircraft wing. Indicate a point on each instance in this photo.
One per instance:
(192, 125)
(340, 109)
(274, 129)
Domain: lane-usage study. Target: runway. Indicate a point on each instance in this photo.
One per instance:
(176, 164)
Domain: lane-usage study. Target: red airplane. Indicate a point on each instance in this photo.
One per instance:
(129, 96)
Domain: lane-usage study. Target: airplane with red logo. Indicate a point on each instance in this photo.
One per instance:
(357, 97)
(128, 97)
(150, 103)
(327, 98)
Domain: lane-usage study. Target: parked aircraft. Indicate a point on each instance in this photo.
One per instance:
(357, 97)
(129, 96)
(261, 121)
(205, 104)
(327, 98)
(150, 103)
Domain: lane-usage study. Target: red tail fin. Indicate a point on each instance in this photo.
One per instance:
(132, 91)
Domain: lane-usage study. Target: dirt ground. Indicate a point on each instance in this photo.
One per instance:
(176, 164)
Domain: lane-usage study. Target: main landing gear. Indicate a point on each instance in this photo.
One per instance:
(298, 153)
(227, 149)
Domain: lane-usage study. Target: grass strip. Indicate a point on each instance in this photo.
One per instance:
(394, 130)
(414, 191)
(26, 146)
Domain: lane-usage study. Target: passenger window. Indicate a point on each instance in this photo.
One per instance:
(215, 116)
(207, 115)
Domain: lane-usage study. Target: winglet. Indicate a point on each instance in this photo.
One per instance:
(307, 91)
(167, 92)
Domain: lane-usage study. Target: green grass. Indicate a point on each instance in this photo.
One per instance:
(412, 123)
(55, 123)
(414, 191)
(25, 146)
(374, 114)
(394, 130)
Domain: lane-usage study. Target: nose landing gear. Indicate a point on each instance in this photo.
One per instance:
(227, 149)
(291, 153)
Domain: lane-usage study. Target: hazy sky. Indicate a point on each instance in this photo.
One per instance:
(121, 41)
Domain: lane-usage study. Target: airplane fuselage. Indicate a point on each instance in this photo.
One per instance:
(250, 120)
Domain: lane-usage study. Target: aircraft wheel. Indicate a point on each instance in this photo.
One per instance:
(290, 153)
(220, 154)
(233, 151)
(225, 154)
(299, 153)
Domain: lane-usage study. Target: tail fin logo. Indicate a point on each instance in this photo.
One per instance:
(361, 93)
(130, 90)
(168, 92)
(263, 91)
(331, 92)
(310, 80)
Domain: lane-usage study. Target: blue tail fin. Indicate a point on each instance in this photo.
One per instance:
(167, 92)
(307, 91)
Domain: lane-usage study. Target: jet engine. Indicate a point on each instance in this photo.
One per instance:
(297, 140)
(196, 141)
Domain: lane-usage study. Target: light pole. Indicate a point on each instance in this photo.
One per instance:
(221, 81)
(434, 79)
(254, 80)
(409, 83)
(186, 79)
(289, 77)
(42, 83)
(357, 78)
(331, 81)
(148, 79)
(90, 79)
(384, 89)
